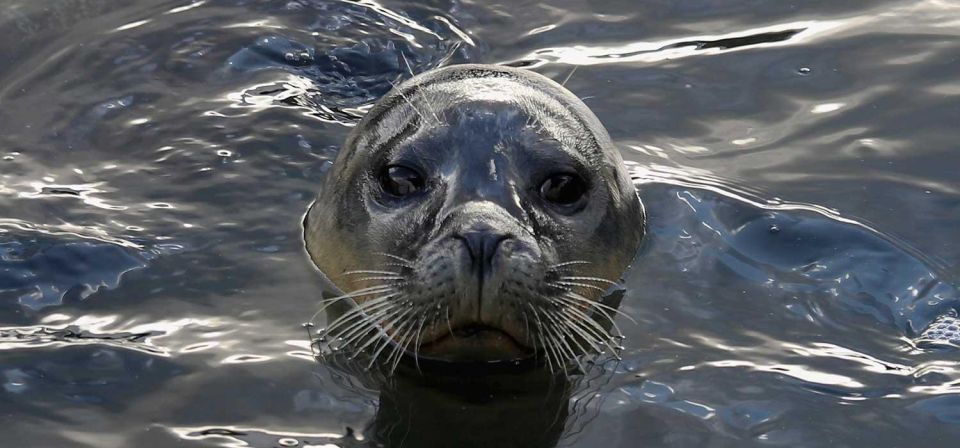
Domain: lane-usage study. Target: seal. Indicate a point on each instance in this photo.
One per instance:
(477, 213)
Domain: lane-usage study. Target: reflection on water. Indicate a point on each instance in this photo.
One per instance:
(687, 46)
(797, 162)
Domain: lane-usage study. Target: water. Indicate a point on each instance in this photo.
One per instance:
(797, 162)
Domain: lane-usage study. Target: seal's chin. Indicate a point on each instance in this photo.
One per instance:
(475, 343)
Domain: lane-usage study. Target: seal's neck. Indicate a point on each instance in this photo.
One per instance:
(501, 411)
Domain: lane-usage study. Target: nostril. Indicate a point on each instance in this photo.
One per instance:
(482, 245)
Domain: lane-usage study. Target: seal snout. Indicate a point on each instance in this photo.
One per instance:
(482, 247)
(482, 244)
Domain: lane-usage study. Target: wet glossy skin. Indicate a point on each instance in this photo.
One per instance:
(481, 238)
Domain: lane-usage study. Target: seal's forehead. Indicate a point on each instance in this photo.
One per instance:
(507, 90)
(433, 104)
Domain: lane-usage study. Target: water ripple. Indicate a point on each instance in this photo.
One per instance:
(37, 272)
(341, 67)
(767, 36)
(242, 437)
(106, 330)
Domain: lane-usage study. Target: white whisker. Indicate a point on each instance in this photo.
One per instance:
(396, 314)
(594, 279)
(386, 340)
(595, 304)
(367, 317)
(568, 263)
(601, 334)
(582, 285)
(366, 279)
(409, 263)
(416, 343)
(364, 271)
(564, 83)
(549, 349)
(410, 103)
(561, 337)
(358, 293)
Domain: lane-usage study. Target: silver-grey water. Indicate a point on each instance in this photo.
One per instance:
(798, 162)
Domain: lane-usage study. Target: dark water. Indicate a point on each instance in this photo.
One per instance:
(798, 161)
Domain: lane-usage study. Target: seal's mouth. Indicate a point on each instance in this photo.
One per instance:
(475, 342)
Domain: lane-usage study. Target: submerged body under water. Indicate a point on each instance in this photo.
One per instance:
(797, 164)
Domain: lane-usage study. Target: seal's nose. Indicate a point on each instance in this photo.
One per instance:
(482, 245)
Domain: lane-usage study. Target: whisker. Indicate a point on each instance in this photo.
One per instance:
(357, 325)
(595, 304)
(386, 340)
(371, 314)
(410, 103)
(399, 265)
(310, 339)
(371, 331)
(397, 314)
(529, 337)
(555, 348)
(590, 350)
(416, 343)
(559, 353)
(590, 325)
(409, 69)
(449, 325)
(549, 349)
(526, 327)
(572, 326)
(601, 334)
(358, 329)
(568, 263)
(348, 326)
(561, 336)
(365, 271)
(366, 307)
(613, 323)
(400, 347)
(594, 279)
(588, 338)
(583, 285)
(605, 341)
(570, 75)
(538, 336)
(426, 103)
(399, 340)
(395, 257)
(358, 293)
(364, 279)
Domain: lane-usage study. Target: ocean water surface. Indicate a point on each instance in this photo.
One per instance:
(798, 162)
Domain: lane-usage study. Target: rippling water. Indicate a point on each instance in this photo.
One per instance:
(798, 162)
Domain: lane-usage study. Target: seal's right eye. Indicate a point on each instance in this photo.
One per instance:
(399, 181)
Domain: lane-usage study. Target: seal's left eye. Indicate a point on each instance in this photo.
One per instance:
(400, 181)
(563, 189)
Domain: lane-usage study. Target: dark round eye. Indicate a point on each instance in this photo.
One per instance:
(563, 189)
(400, 181)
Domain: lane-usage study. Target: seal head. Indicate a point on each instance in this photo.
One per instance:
(476, 213)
